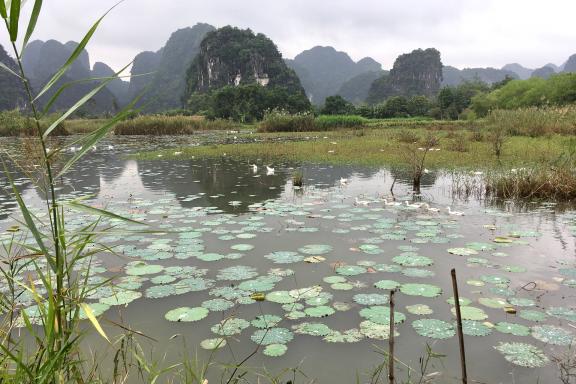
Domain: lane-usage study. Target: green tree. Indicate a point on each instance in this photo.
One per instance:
(336, 105)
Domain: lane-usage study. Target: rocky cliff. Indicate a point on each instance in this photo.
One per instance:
(414, 74)
(11, 90)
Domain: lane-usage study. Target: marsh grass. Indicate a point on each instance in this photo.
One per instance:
(283, 122)
(535, 121)
(170, 125)
(14, 124)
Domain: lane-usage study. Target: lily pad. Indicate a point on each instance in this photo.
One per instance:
(433, 328)
(551, 334)
(272, 336)
(512, 328)
(186, 314)
(522, 354)
(275, 350)
(211, 344)
(425, 290)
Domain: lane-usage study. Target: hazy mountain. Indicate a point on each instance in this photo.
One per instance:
(42, 60)
(231, 57)
(356, 89)
(570, 65)
(522, 72)
(544, 72)
(12, 93)
(144, 64)
(118, 87)
(415, 73)
(453, 76)
(323, 71)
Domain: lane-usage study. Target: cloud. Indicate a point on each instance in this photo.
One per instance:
(468, 33)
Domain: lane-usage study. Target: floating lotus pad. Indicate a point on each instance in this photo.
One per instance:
(370, 299)
(475, 328)
(416, 272)
(123, 297)
(381, 315)
(211, 344)
(230, 327)
(532, 315)
(266, 321)
(272, 336)
(239, 272)
(312, 329)
(316, 249)
(425, 290)
(462, 251)
(413, 260)
(512, 328)
(493, 302)
(522, 354)
(387, 284)
(375, 331)
(280, 297)
(275, 350)
(218, 305)
(551, 334)
(419, 309)
(348, 336)
(522, 302)
(186, 314)
(284, 257)
(433, 328)
(140, 268)
(471, 313)
(319, 311)
(562, 313)
(351, 270)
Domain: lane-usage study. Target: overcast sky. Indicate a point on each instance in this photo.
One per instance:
(468, 33)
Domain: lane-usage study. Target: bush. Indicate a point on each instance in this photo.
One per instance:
(170, 125)
(283, 122)
(459, 142)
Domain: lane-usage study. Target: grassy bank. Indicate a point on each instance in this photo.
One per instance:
(280, 122)
(373, 147)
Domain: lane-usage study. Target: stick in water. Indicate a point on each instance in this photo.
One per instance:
(391, 341)
(460, 333)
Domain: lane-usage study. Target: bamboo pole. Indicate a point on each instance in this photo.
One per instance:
(460, 333)
(391, 341)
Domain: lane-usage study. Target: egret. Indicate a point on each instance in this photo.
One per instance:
(343, 181)
(454, 213)
(269, 170)
(361, 202)
(254, 168)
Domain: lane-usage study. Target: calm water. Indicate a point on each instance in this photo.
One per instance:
(220, 214)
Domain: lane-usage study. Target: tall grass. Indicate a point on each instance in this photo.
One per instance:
(170, 125)
(14, 123)
(535, 121)
(282, 122)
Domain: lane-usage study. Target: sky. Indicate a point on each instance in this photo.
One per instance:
(468, 33)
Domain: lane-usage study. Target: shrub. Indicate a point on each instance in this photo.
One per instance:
(557, 183)
(406, 136)
(170, 125)
(283, 122)
(460, 142)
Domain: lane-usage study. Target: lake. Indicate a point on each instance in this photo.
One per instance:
(326, 257)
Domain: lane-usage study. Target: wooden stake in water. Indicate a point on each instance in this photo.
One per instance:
(391, 341)
(460, 333)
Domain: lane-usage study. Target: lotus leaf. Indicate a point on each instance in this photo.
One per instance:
(522, 354)
(425, 290)
(433, 328)
(551, 334)
(186, 314)
(272, 336)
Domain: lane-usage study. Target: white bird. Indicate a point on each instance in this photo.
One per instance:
(254, 168)
(455, 213)
(93, 148)
(361, 202)
(110, 147)
(177, 153)
(343, 181)
(269, 171)
(426, 170)
(72, 149)
(429, 209)
(414, 206)
(392, 203)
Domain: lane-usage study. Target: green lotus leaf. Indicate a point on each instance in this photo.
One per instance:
(370, 299)
(334, 279)
(266, 321)
(387, 284)
(284, 257)
(306, 293)
(471, 313)
(522, 302)
(230, 327)
(162, 279)
(186, 314)
(551, 334)
(413, 260)
(121, 298)
(562, 313)
(522, 354)
(419, 309)
(481, 246)
(312, 329)
(350, 270)
(342, 286)
(319, 311)
(433, 328)
(295, 315)
(272, 336)
(316, 249)
(425, 290)
(211, 344)
(381, 315)
(493, 302)
(236, 273)
(275, 350)
(463, 251)
(417, 272)
(512, 328)
(392, 268)
(475, 328)
(340, 306)
(531, 315)
(140, 268)
(348, 336)
(376, 331)
(493, 279)
(159, 291)
(463, 301)
(280, 297)
(217, 305)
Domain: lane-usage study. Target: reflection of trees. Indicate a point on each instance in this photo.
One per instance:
(404, 177)
(328, 176)
(221, 181)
